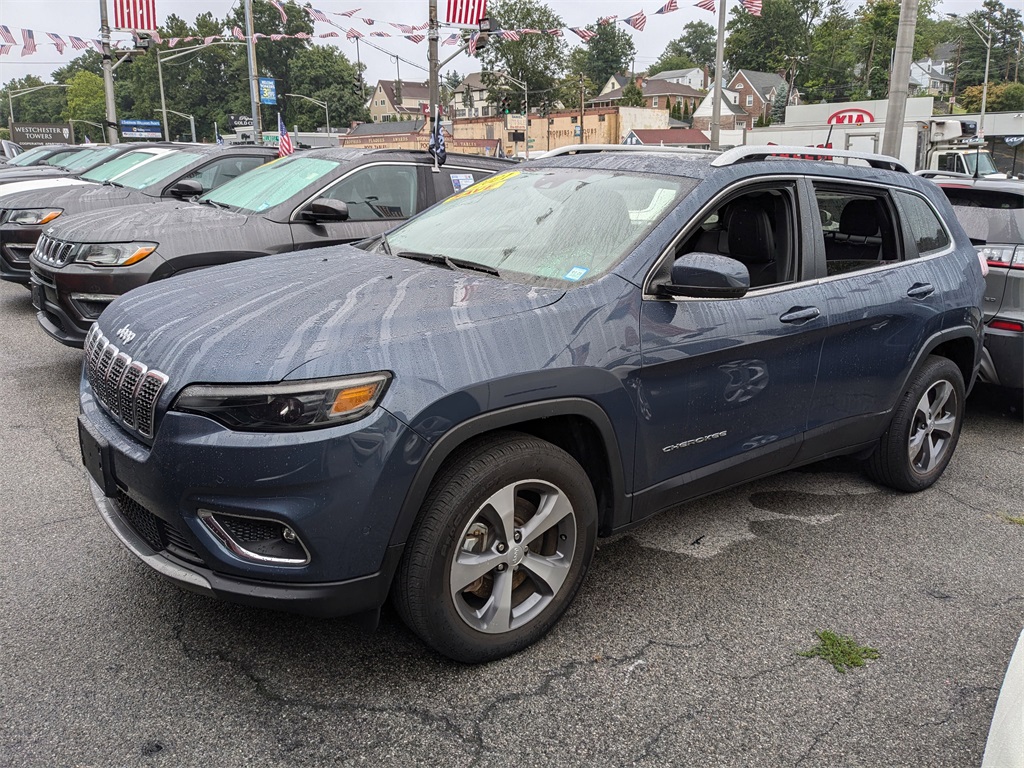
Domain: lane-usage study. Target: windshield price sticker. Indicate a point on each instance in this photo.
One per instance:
(576, 273)
(461, 180)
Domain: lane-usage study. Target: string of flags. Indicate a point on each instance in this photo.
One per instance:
(411, 32)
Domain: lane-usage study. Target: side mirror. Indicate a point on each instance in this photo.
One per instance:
(186, 188)
(326, 209)
(707, 276)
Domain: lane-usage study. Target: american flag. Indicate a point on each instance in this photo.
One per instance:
(452, 39)
(368, 22)
(556, 33)
(6, 36)
(134, 14)
(380, 34)
(707, 5)
(275, 37)
(237, 32)
(471, 46)
(637, 21)
(509, 34)
(328, 34)
(668, 7)
(284, 146)
(29, 39)
(59, 44)
(350, 14)
(78, 43)
(317, 15)
(415, 38)
(353, 34)
(280, 9)
(753, 7)
(585, 34)
(605, 20)
(405, 29)
(5, 49)
(467, 12)
(170, 43)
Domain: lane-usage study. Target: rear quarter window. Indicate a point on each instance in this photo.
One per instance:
(925, 226)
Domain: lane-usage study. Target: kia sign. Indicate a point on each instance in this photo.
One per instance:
(141, 129)
(40, 134)
(850, 117)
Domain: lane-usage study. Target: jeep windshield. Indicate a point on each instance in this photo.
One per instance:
(117, 166)
(549, 226)
(270, 184)
(89, 158)
(157, 170)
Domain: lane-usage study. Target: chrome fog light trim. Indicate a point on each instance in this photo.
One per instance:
(209, 519)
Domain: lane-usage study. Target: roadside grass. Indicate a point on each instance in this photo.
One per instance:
(840, 651)
(1014, 520)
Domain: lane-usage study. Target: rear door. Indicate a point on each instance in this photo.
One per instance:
(886, 289)
(378, 197)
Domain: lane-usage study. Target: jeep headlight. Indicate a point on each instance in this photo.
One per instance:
(285, 407)
(114, 254)
(33, 217)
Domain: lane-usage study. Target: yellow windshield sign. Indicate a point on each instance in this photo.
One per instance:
(486, 185)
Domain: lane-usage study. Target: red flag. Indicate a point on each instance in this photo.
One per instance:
(466, 12)
(134, 14)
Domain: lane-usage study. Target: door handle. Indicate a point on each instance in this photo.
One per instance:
(800, 315)
(921, 290)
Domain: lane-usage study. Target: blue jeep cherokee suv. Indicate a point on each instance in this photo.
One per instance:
(451, 414)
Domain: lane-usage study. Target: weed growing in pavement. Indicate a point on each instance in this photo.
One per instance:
(1014, 520)
(840, 651)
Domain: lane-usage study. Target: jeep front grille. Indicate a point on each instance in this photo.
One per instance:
(55, 253)
(127, 388)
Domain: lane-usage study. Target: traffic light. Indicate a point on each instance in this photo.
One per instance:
(503, 104)
(486, 27)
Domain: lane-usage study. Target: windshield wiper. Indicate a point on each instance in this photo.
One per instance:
(215, 204)
(111, 183)
(385, 244)
(454, 264)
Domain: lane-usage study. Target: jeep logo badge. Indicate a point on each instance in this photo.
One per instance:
(125, 334)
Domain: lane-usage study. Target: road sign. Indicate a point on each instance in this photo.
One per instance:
(268, 90)
(39, 134)
(141, 129)
(515, 122)
(577, 131)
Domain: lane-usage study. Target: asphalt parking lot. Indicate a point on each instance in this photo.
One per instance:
(680, 650)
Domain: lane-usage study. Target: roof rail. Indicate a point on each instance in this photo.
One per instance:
(748, 153)
(574, 149)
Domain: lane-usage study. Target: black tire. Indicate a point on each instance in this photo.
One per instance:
(925, 428)
(460, 533)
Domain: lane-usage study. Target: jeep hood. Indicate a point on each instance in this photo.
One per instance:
(169, 223)
(82, 196)
(49, 183)
(332, 311)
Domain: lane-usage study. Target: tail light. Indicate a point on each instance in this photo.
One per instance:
(1007, 325)
(1006, 256)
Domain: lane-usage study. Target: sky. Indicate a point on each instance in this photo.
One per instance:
(81, 18)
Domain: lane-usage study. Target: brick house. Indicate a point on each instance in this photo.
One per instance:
(386, 105)
(757, 92)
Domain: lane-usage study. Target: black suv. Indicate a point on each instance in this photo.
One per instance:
(452, 412)
(320, 197)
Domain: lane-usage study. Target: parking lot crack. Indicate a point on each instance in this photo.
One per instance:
(824, 734)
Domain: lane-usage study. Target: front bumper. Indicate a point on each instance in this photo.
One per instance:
(341, 598)
(16, 245)
(339, 489)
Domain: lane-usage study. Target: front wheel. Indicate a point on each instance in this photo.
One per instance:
(925, 428)
(499, 550)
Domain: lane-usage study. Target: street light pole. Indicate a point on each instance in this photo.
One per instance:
(254, 99)
(163, 100)
(191, 122)
(321, 104)
(108, 76)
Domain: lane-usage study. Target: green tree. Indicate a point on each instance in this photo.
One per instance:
(43, 106)
(324, 73)
(609, 51)
(773, 41)
(828, 72)
(632, 96)
(779, 105)
(85, 99)
(694, 48)
(538, 60)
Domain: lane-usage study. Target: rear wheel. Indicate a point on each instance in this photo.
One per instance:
(925, 428)
(501, 546)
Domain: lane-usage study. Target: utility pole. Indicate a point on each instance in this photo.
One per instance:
(254, 90)
(108, 75)
(899, 80)
(716, 87)
(435, 96)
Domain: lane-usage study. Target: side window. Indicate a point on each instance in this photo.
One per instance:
(225, 169)
(455, 180)
(58, 158)
(859, 229)
(925, 227)
(378, 192)
(755, 228)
